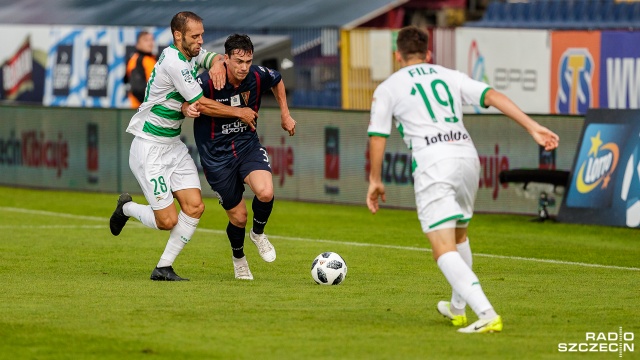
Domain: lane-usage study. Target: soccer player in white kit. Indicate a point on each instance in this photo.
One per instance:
(159, 160)
(426, 102)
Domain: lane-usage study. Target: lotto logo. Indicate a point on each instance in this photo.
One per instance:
(597, 166)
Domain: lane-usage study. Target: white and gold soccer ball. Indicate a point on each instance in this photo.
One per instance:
(328, 268)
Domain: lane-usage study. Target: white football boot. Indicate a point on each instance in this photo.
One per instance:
(266, 250)
(241, 268)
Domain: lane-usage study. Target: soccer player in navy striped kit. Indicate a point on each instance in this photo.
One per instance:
(158, 159)
(230, 151)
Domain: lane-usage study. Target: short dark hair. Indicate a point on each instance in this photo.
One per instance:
(179, 21)
(240, 42)
(412, 41)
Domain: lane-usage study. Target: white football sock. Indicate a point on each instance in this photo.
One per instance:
(457, 302)
(144, 213)
(464, 249)
(178, 238)
(466, 283)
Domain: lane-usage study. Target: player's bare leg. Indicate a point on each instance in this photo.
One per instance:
(261, 183)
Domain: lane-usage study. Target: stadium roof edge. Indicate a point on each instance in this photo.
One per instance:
(250, 14)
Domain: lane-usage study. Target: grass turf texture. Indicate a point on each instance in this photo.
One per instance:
(70, 290)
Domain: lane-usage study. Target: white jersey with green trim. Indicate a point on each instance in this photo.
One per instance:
(426, 103)
(172, 82)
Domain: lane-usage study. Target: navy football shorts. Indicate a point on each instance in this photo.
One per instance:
(227, 182)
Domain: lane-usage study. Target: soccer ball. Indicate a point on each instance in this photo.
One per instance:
(328, 268)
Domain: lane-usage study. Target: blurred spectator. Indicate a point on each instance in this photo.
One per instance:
(139, 68)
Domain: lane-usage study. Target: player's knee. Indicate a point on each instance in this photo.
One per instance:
(194, 210)
(197, 211)
(239, 218)
(265, 194)
(166, 223)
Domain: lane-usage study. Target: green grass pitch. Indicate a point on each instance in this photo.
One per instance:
(70, 290)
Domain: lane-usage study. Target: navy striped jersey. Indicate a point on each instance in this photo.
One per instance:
(221, 140)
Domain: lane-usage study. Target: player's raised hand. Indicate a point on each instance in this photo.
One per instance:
(288, 124)
(545, 137)
(248, 116)
(218, 74)
(376, 190)
(190, 110)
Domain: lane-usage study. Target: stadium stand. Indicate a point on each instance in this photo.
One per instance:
(561, 14)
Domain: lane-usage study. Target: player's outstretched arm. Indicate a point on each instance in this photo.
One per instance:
(211, 107)
(376, 187)
(542, 135)
(286, 121)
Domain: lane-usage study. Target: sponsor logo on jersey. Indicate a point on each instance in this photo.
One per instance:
(234, 127)
(186, 74)
(235, 100)
(451, 136)
(575, 76)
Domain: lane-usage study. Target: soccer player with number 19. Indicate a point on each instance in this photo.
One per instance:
(426, 102)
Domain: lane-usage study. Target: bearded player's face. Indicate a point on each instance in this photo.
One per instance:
(192, 38)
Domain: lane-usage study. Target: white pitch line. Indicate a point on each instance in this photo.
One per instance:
(291, 238)
(51, 213)
(52, 226)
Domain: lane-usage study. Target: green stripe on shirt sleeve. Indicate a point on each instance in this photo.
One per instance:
(195, 98)
(482, 98)
(208, 60)
(378, 134)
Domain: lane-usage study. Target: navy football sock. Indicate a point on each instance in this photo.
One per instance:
(261, 212)
(236, 238)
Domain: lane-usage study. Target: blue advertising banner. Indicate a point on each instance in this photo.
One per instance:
(620, 73)
(605, 184)
(86, 65)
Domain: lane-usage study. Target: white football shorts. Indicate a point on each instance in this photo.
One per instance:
(162, 169)
(446, 192)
